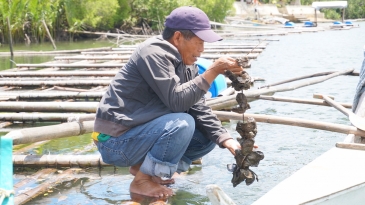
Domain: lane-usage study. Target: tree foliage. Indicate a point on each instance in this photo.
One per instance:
(63, 17)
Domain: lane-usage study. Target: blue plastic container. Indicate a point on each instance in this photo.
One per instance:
(308, 24)
(6, 167)
(219, 84)
(289, 24)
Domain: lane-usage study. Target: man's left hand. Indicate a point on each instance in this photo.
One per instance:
(232, 145)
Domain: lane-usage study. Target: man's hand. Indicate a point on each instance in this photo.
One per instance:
(219, 66)
(232, 145)
(226, 63)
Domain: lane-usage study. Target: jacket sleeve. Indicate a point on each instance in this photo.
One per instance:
(208, 123)
(158, 66)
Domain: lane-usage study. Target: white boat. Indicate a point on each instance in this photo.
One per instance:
(334, 178)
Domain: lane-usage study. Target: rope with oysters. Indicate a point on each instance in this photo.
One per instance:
(246, 157)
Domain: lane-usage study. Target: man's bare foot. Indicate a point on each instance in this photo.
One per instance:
(135, 168)
(144, 185)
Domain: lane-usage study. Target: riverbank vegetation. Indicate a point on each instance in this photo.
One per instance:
(28, 20)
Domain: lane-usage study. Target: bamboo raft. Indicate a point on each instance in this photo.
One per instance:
(66, 91)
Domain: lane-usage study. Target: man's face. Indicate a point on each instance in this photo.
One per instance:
(191, 49)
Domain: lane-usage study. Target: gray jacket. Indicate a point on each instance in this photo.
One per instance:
(153, 83)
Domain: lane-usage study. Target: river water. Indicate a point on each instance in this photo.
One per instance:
(286, 148)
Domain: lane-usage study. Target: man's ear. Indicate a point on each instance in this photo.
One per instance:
(176, 38)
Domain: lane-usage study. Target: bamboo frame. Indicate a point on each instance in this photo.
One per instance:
(40, 117)
(37, 134)
(48, 107)
(51, 95)
(22, 53)
(91, 82)
(59, 161)
(58, 73)
(69, 65)
(345, 129)
(298, 100)
(223, 102)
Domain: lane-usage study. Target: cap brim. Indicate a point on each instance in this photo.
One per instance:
(207, 35)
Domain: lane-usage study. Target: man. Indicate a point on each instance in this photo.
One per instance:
(153, 116)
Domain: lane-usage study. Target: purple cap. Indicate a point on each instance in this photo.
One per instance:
(193, 19)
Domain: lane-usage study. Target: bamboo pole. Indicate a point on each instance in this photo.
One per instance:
(48, 107)
(58, 73)
(112, 34)
(91, 82)
(223, 102)
(297, 78)
(217, 46)
(345, 129)
(50, 78)
(28, 195)
(233, 55)
(99, 57)
(213, 45)
(24, 53)
(39, 117)
(82, 161)
(69, 65)
(76, 89)
(37, 134)
(354, 146)
(206, 50)
(10, 38)
(51, 95)
(126, 57)
(108, 52)
(298, 100)
(49, 34)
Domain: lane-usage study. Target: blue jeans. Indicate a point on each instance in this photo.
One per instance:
(163, 146)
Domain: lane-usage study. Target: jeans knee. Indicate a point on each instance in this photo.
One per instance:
(185, 123)
(211, 146)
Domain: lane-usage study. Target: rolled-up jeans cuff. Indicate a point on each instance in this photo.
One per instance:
(155, 167)
(183, 164)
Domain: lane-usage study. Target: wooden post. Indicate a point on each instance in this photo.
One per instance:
(315, 16)
(10, 39)
(49, 34)
(343, 15)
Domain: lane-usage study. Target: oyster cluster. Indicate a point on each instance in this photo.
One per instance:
(246, 157)
(239, 82)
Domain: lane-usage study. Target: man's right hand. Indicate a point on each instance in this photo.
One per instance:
(219, 66)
